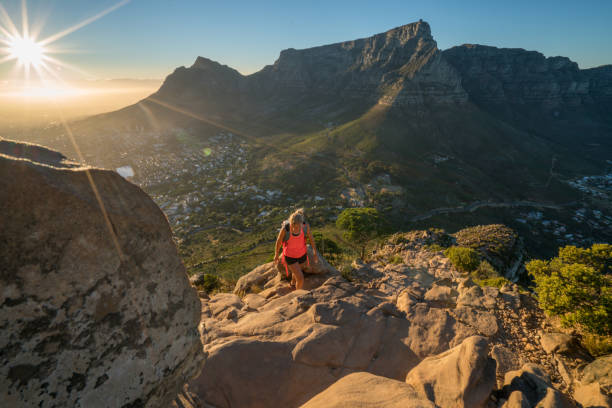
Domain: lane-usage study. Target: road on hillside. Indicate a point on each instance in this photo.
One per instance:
(479, 204)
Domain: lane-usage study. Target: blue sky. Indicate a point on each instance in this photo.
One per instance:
(149, 38)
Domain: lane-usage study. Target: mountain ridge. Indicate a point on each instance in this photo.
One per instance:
(374, 67)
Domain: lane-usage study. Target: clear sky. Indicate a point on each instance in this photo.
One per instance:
(149, 38)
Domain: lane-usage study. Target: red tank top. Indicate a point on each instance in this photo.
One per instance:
(295, 246)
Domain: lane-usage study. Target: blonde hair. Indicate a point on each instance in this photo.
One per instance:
(297, 217)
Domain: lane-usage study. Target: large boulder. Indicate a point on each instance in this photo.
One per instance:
(368, 390)
(95, 306)
(463, 376)
(599, 371)
(595, 387)
(532, 386)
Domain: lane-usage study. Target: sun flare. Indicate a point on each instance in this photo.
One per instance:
(26, 51)
(33, 56)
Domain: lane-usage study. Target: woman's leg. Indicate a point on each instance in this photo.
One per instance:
(297, 275)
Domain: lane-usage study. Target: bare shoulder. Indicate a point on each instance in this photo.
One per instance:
(281, 233)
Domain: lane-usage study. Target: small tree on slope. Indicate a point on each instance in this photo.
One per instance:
(360, 225)
(577, 285)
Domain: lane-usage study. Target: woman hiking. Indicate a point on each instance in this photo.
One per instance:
(292, 237)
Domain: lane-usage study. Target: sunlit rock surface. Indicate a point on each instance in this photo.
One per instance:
(95, 306)
(407, 315)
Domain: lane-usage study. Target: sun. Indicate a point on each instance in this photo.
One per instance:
(20, 44)
(27, 51)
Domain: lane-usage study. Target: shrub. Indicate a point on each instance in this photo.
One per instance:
(597, 345)
(496, 282)
(576, 287)
(440, 237)
(485, 271)
(209, 283)
(434, 248)
(361, 225)
(346, 270)
(396, 259)
(464, 259)
(398, 238)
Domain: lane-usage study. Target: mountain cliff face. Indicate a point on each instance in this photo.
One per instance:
(402, 66)
(514, 76)
(398, 67)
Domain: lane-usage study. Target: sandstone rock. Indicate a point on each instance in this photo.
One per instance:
(505, 359)
(367, 390)
(304, 341)
(460, 377)
(592, 396)
(328, 331)
(434, 330)
(599, 371)
(257, 277)
(484, 322)
(556, 342)
(222, 302)
(441, 295)
(536, 387)
(320, 267)
(405, 301)
(475, 296)
(516, 400)
(272, 277)
(254, 301)
(96, 309)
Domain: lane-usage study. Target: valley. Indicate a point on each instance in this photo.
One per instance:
(225, 222)
(465, 136)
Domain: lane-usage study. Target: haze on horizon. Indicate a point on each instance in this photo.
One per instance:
(97, 40)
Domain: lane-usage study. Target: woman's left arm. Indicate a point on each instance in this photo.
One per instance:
(312, 244)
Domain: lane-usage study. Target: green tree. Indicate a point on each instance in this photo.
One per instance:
(576, 285)
(360, 225)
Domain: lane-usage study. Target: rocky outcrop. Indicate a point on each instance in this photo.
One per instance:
(529, 387)
(590, 379)
(269, 346)
(463, 376)
(594, 389)
(368, 390)
(499, 245)
(95, 306)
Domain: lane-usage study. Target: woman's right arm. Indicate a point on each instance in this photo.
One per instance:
(279, 241)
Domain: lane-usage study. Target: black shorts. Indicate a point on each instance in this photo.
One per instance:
(291, 260)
